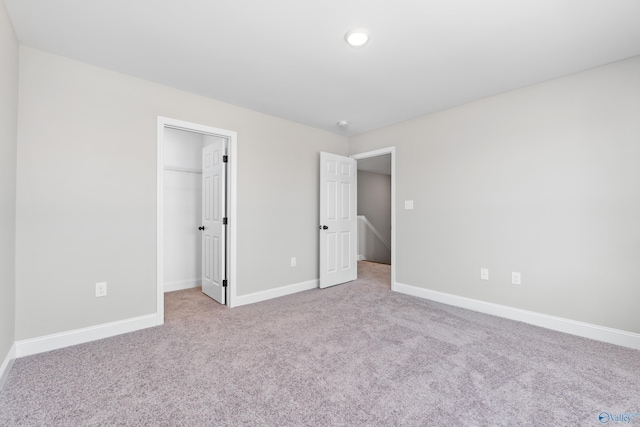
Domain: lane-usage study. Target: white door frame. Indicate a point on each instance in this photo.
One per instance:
(382, 152)
(232, 205)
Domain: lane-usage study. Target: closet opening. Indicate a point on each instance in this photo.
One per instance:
(196, 210)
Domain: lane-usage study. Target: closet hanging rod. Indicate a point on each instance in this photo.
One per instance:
(181, 169)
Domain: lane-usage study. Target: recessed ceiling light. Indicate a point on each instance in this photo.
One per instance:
(343, 124)
(357, 37)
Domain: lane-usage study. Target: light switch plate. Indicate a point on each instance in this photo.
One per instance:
(408, 204)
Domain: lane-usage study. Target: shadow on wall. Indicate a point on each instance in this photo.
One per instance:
(371, 245)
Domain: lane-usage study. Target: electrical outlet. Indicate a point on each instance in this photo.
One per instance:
(293, 261)
(101, 289)
(516, 279)
(484, 273)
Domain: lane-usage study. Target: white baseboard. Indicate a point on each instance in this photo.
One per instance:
(361, 258)
(181, 284)
(274, 293)
(574, 327)
(5, 368)
(79, 336)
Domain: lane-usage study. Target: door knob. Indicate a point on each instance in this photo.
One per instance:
(324, 227)
(201, 228)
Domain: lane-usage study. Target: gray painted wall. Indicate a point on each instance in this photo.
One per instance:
(543, 180)
(374, 201)
(8, 140)
(86, 204)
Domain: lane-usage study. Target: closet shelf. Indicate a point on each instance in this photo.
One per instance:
(181, 169)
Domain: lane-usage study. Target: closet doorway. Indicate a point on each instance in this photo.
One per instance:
(196, 210)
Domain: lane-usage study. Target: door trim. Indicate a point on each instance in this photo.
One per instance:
(232, 206)
(376, 153)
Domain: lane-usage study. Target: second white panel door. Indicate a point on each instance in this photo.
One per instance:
(338, 227)
(213, 218)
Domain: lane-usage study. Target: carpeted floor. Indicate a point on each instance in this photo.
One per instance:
(355, 354)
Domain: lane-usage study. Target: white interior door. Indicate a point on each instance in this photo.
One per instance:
(338, 226)
(213, 221)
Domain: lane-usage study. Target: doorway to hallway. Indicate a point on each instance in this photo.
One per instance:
(376, 177)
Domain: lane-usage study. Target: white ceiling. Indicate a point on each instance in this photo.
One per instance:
(288, 58)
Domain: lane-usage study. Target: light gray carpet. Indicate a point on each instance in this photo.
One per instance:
(355, 354)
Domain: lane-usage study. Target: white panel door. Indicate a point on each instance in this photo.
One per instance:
(338, 226)
(213, 213)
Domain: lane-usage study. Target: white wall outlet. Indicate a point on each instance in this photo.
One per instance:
(516, 279)
(101, 289)
(408, 204)
(293, 261)
(484, 273)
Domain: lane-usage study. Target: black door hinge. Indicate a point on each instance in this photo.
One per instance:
(225, 159)
(224, 221)
(224, 283)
